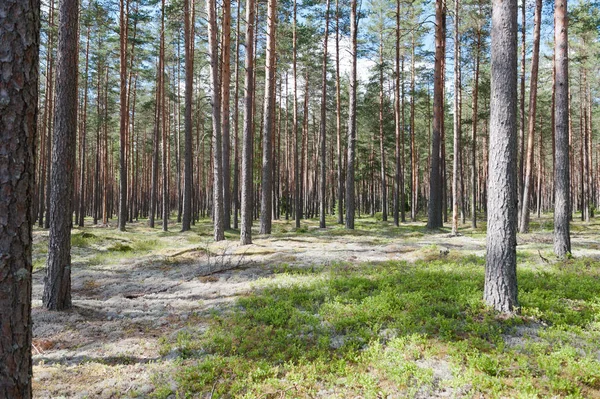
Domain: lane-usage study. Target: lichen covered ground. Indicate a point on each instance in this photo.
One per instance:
(376, 312)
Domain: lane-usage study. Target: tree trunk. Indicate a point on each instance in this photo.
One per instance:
(163, 112)
(19, 44)
(46, 148)
(188, 27)
(500, 290)
(414, 187)
(535, 57)
(247, 139)
(82, 136)
(236, 161)
(57, 287)
(434, 206)
(323, 126)
(522, 103)
(211, 10)
(398, 184)
(350, 195)
(266, 203)
(474, 134)
(154, 177)
(124, 111)
(384, 210)
(225, 91)
(338, 119)
(297, 174)
(457, 121)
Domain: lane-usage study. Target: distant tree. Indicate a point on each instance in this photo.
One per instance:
(211, 11)
(124, 113)
(189, 91)
(247, 203)
(350, 195)
(535, 59)
(323, 126)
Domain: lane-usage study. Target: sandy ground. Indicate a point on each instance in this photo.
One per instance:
(108, 344)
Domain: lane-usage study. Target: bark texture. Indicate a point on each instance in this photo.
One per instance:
(19, 52)
(266, 203)
(562, 180)
(500, 291)
(57, 284)
(434, 206)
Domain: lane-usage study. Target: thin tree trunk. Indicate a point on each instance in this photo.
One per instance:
(522, 103)
(218, 216)
(124, 113)
(323, 126)
(384, 210)
(414, 186)
(527, 183)
(236, 161)
(247, 140)
(474, 134)
(82, 136)
(457, 120)
(189, 81)
(398, 183)
(225, 91)
(163, 112)
(350, 194)
(46, 133)
(338, 120)
(297, 173)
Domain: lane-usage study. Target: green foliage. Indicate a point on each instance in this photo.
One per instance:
(374, 328)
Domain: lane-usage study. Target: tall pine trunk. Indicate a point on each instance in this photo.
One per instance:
(528, 181)
(266, 203)
(189, 81)
(124, 111)
(500, 289)
(247, 139)
(350, 195)
(225, 92)
(19, 45)
(211, 11)
(57, 287)
(457, 120)
(323, 126)
(434, 206)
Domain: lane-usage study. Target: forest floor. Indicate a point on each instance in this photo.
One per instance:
(376, 312)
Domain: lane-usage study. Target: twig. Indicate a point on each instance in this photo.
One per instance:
(544, 259)
(212, 391)
(36, 349)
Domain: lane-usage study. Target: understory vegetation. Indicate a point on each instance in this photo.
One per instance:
(397, 328)
(411, 326)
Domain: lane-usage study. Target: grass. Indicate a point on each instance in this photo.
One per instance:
(372, 330)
